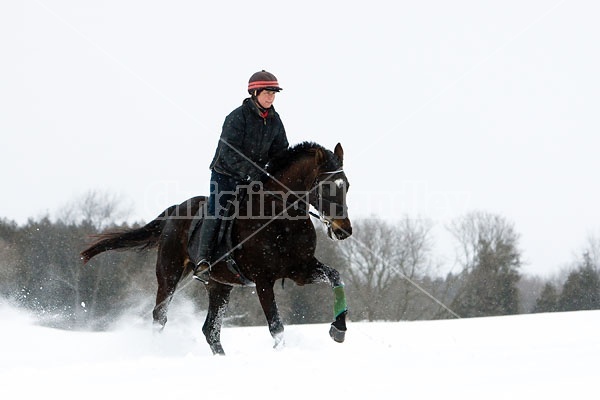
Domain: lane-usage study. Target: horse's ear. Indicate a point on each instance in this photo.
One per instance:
(339, 152)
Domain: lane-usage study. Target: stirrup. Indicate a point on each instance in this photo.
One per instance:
(234, 269)
(202, 271)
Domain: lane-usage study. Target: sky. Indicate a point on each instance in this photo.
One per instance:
(442, 107)
(549, 356)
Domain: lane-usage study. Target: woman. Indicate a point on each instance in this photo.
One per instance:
(252, 134)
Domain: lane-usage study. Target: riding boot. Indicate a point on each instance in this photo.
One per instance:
(207, 233)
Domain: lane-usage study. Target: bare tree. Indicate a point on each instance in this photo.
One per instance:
(98, 209)
(489, 254)
(384, 261)
(477, 227)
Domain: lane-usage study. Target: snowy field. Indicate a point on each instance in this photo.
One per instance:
(522, 357)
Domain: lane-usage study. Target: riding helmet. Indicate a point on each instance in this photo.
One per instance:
(262, 80)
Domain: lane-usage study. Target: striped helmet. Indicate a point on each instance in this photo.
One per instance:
(263, 80)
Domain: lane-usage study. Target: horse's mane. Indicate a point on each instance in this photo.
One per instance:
(299, 151)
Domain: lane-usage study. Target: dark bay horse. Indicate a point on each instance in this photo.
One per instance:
(273, 238)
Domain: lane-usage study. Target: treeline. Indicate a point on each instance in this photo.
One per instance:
(389, 269)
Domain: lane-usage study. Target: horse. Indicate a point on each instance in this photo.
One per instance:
(272, 238)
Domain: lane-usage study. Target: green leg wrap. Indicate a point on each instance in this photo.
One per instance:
(339, 306)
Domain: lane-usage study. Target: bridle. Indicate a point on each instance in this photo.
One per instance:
(321, 200)
(316, 193)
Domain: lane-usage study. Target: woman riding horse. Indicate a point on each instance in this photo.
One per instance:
(252, 134)
(279, 245)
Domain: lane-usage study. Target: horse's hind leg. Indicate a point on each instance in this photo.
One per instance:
(168, 274)
(266, 296)
(218, 299)
(164, 294)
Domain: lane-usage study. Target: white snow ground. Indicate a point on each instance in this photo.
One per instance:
(547, 356)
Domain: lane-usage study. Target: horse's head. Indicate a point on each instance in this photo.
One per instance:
(328, 192)
(316, 174)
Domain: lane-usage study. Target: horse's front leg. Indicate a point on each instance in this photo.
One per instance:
(218, 299)
(340, 308)
(266, 296)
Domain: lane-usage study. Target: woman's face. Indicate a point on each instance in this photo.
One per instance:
(266, 98)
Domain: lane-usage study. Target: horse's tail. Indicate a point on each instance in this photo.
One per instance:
(142, 238)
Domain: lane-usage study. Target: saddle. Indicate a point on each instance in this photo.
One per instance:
(223, 246)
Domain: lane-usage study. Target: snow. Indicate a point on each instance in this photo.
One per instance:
(517, 357)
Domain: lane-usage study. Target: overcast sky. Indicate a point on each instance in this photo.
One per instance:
(443, 107)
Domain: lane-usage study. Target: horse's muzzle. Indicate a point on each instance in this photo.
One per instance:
(340, 229)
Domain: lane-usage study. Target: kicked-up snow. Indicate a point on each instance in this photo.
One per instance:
(542, 356)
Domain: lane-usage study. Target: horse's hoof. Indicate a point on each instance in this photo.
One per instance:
(157, 327)
(336, 334)
(279, 342)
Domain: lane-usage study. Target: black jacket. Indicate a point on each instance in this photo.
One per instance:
(257, 138)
